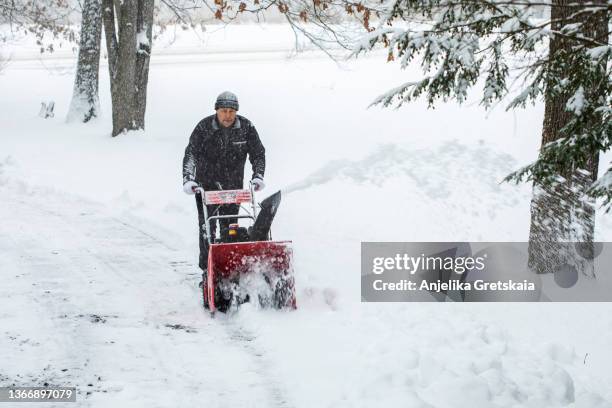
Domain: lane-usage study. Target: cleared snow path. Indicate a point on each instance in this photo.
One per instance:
(95, 301)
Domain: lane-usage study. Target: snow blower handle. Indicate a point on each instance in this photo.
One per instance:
(229, 197)
(226, 196)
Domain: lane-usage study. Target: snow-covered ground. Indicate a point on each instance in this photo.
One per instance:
(99, 245)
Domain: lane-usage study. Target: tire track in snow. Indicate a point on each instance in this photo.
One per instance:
(248, 341)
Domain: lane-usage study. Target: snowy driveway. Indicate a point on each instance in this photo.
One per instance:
(92, 301)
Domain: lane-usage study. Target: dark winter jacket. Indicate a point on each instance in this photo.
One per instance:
(215, 155)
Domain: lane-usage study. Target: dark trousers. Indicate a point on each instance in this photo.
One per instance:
(224, 209)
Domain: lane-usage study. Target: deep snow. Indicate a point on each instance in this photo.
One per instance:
(99, 247)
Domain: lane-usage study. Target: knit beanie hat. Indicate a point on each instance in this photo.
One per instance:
(227, 100)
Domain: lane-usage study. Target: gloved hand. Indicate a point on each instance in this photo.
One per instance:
(189, 186)
(258, 183)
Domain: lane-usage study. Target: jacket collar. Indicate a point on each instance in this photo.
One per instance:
(215, 124)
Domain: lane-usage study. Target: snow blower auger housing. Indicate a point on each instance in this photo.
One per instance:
(244, 262)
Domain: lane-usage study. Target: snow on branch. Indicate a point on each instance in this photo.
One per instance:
(602, 188)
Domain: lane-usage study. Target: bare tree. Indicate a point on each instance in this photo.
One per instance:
(47, 20)
(85, 103)
(3, 62)
(128, 32)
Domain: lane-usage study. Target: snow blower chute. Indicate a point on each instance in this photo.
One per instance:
(244, 262)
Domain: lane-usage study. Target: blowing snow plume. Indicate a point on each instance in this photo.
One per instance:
(357, 170)
(321, 176)
(433, 171)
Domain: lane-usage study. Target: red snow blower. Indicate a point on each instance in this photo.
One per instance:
(244, 264)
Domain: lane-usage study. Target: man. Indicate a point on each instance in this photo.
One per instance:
(215, 158)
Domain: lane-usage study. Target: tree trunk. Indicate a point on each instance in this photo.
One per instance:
(85, 104)
(128, 41)
(561, 212)
(145, 30)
